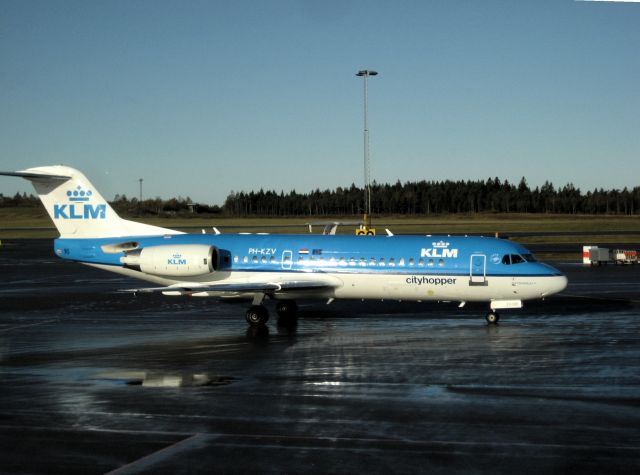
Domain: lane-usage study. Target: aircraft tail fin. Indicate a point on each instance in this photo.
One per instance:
(77, 209)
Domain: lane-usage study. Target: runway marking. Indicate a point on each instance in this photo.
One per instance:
(197, 440)
(607, 299)
(17, 327)
(194, 442)
(601, 284)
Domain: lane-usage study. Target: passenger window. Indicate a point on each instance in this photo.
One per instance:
(272, 259)
(235, 259)
(254, 259)
(411, 261)
(392, 262)
(245, 259)
(343, 261)
(286, 259)
(352, 261)
(363, 261)
(430, 263)
(506, 260)
(441, 262)
(401, 262)
(382, 262)
(421, 262)
(372, 261)
(264, 259)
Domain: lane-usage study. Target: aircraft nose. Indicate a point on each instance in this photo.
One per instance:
(556, 284)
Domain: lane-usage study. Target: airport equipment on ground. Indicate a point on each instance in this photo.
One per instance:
(599, 255)
(594, 255)
(624, 256)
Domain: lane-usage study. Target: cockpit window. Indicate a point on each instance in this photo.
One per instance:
(516, 259)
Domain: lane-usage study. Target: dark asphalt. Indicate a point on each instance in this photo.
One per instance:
(93, 381)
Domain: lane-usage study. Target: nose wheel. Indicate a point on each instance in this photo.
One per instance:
(492, 317)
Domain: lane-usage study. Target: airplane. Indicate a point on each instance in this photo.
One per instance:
(287, 268)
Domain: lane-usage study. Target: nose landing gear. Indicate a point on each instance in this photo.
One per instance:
(492, 317)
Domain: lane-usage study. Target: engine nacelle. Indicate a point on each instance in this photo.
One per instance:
(186, 260)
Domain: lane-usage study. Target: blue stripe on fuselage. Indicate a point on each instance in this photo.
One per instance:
(446, 255)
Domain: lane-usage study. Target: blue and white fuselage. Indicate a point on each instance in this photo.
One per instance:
(395, 267)
(288, 267)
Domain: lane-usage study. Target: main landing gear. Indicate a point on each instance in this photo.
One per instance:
(287, 311)
(257, 315)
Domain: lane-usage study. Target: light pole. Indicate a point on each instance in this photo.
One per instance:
(140, 180)
(365, 73)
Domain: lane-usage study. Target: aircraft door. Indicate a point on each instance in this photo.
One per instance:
(478, 270)
(287, 260)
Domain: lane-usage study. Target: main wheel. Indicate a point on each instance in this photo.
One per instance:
(287, 313)
(287, 309)
(492, 317)
(257, 315)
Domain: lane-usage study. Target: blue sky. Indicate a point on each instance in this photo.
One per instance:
(200, 98)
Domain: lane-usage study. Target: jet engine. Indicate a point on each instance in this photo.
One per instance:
(186, 260)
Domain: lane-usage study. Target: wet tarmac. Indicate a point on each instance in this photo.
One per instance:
(93, 381)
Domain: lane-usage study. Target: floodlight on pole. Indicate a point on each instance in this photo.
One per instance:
(365, 73)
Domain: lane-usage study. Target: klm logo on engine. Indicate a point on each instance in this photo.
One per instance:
(177, 260)
(439, 249)
(79, 206)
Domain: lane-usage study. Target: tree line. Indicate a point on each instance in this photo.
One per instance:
(409, 198)
(128, 207)
(437, 197)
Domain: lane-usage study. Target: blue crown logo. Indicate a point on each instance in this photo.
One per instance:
(79, 194)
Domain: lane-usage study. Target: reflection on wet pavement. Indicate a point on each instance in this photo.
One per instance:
(93, 381)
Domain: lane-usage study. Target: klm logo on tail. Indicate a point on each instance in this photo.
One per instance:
(79, 206)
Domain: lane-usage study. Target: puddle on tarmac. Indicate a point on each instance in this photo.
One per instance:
(151, 379)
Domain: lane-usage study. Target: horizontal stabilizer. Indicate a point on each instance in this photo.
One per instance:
(36, 176)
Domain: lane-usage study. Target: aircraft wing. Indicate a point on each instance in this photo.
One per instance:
(248, 287)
